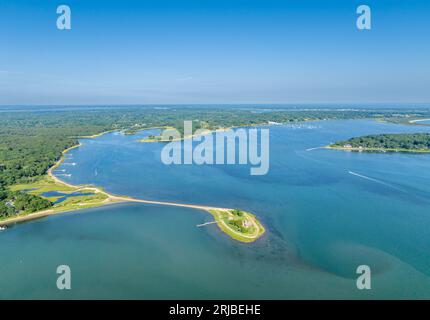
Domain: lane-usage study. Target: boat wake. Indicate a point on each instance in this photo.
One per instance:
(375, 180)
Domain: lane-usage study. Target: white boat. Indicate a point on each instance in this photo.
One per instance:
(2, 228)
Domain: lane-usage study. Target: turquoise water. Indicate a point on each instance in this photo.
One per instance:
(322, 222)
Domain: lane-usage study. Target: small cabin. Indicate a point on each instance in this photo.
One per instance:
(246, 224)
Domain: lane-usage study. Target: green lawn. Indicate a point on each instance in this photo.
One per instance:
(240, 225)
(47, 184)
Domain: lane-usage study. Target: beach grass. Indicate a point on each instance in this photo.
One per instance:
(48, 184)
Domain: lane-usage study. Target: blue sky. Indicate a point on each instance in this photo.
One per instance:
(214, 51)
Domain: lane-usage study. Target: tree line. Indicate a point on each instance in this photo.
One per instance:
(416, 141)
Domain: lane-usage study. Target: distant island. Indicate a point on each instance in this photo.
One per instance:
(404, 142)
(169, 132)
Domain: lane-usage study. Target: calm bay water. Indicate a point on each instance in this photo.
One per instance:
(427, 122)
(322, 222)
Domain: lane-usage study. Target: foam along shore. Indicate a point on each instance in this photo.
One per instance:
(239, 225)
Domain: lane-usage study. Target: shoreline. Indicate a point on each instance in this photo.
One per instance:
(114, 199)
(379, 150)
(192, 136)
(96, 135)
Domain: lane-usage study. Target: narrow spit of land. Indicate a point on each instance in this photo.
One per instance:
(239, 225)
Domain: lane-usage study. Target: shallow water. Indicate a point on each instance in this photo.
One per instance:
(326, 212)
(427, 122)
(64, 196)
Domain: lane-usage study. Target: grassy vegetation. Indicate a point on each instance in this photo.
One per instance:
(47, 184)
(238, 224)
(169, 133)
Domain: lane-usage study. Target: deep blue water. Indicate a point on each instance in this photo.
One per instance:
(322, 222)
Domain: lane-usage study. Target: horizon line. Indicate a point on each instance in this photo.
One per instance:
(209, 104)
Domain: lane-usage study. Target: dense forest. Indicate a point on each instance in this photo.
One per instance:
(32, 138)
(412, 142)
